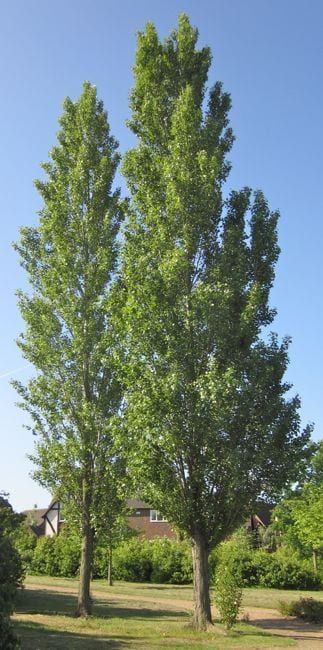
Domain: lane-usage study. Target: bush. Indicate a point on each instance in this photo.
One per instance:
(100, 562)
(67, 554)
(132, 561)
(44, 561)
(276, 572)
(11, 573)
(58, 555)
(171, 561)
(25, 541)
(8, 639)
(157, 560)
(307, 609)
(261, 568)
(241, 558)
(228, 585)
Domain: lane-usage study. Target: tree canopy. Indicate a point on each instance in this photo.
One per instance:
(209, 422)
(298, 518)
(168, 357)
(71, 259)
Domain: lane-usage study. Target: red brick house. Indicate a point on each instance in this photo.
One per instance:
(147, 521)
(142, 518)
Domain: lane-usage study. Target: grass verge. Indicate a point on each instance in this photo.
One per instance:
(45, 619)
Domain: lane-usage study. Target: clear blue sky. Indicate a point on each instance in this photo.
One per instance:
(269, 55)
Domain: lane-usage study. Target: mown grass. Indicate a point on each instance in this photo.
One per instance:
(257, 597)
(253, 597)
(45, 619)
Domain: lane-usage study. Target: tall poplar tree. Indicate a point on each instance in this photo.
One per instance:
(208, 424)
(70, 258)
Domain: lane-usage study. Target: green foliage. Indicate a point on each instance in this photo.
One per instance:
(9, 520)
(317, 465)
(228, 585)
(270, 570)
(135, 560)
(101, 562)
(44, 560)
(308, 609)
(70, 258)
(11, 572)
(158, 560)
(25, 540)
(283, 569)
(208, 423)
(8, 639)
(67, 553)
(298, 519)
(132, 561)
(171, 561)
(11, 575)
(58, 555)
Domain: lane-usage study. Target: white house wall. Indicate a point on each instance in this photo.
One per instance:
(52, 517)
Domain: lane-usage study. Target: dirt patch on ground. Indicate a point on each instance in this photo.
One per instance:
(307, 636)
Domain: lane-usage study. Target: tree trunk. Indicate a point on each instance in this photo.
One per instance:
(202, 606)
(110, 581)
(315, 560)
(84, 597)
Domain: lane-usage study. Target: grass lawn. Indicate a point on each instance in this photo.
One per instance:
(253, 597)
(270, 598)
(124, 616)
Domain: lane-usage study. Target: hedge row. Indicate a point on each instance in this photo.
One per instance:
(264, 569)
(136, 560)
(158, 560)
(166, 561)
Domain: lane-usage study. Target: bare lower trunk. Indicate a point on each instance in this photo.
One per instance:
(84, 597)
(202, 606)
(110, 580)
(315, 561)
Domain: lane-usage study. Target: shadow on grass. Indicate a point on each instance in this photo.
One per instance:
(114, 608)
(52, 603)
(300, 630)
(36, 637)
(164, 587)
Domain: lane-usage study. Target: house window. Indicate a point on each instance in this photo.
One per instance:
(155, 516)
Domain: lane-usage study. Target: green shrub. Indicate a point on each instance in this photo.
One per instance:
(58, 555)
(8, 639)
(276, 572)
(241, 557)
(44, 561)
(228, 585)
(260, 568)
(157, 560)
(132, 561)
(25, 541)
(171, 561)
(11, 572)
(307, 609)
(100, 562)
(67, 550)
